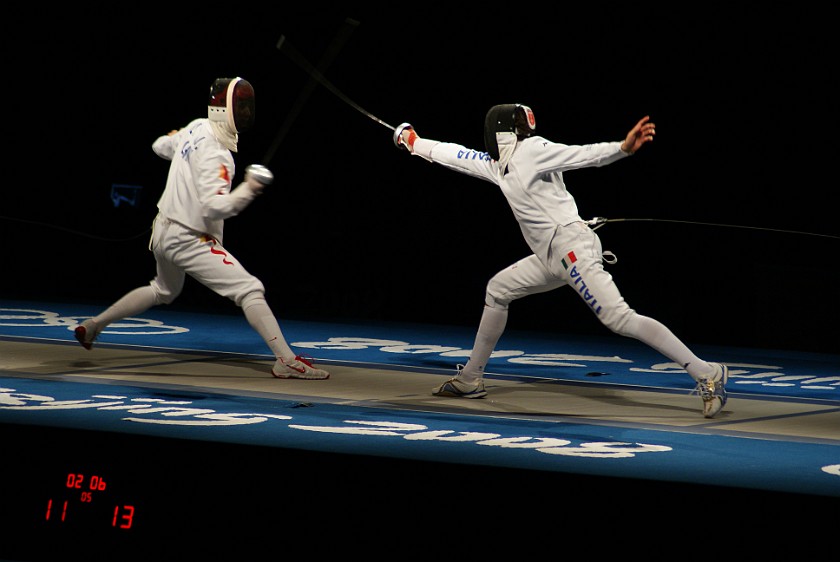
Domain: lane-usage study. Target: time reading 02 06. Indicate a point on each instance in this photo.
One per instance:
(84, 498)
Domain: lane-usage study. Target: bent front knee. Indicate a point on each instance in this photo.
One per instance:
(251, 299)
(496, 298)
(619, 320)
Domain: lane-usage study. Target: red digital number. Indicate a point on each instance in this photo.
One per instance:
(75, 480)
(126, 518)
(63, 510)
(97, 483)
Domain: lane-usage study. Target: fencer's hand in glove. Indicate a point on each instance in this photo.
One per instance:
(404, 137)
(257, 177)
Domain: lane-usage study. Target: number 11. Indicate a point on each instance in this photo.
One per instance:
(63, 510)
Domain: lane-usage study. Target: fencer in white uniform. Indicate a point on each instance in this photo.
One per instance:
(188, 232)
(566, 250)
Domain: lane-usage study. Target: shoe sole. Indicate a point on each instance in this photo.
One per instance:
(455, 394)
(315, 378)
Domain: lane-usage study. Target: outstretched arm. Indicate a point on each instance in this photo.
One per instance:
(640, 134)
(450, 155)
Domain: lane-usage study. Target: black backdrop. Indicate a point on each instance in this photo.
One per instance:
(744, 101)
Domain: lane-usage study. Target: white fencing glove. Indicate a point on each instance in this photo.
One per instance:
(259, 173)
(258, 177)
(404, 137)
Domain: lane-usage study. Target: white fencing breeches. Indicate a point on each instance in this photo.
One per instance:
(180, 251)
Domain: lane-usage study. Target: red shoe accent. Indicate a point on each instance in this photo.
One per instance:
(80, 332)
(307, 360)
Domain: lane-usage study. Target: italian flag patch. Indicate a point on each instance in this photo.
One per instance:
(569, 260)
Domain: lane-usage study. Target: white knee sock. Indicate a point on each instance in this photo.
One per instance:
(134, 302)
(490, 329)
(261, 319)
(660, 338)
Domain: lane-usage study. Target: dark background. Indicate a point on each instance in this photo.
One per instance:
(745, 103)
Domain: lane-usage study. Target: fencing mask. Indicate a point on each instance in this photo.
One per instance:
(503, 125)
(232, 102)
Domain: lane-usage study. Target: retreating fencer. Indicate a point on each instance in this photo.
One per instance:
(566, 250)
(188, 229)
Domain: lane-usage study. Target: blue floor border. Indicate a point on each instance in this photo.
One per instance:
(568, 446)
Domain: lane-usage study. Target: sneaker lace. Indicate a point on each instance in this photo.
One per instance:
(305, 359)
(705, 388)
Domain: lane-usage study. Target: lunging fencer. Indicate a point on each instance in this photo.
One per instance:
(187, 232)
(566, 250)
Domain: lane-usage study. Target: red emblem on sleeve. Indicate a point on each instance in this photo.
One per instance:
(225, 175)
